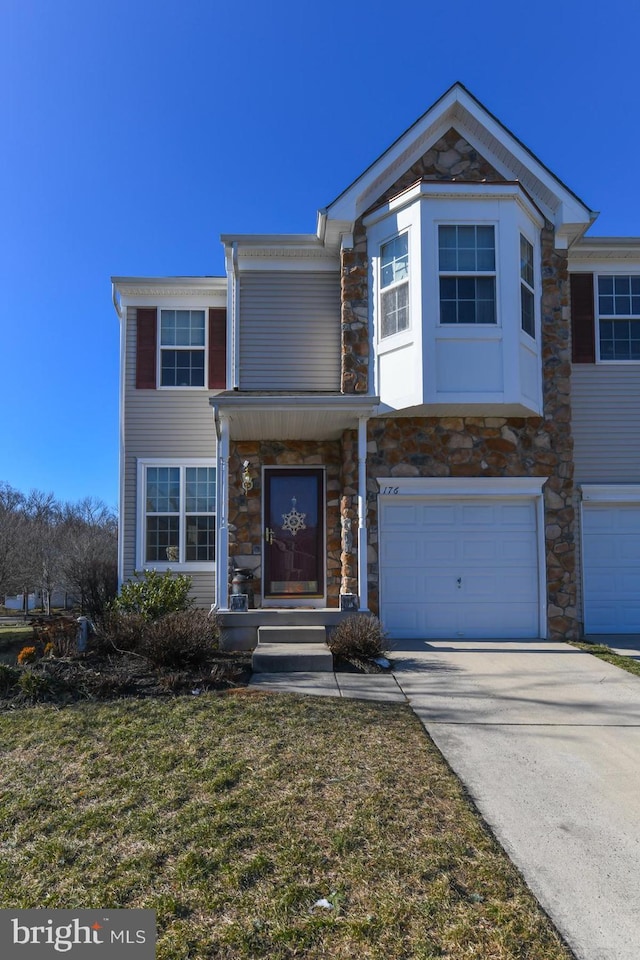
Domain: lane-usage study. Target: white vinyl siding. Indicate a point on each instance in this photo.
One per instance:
(605, 402)
(289, 331)
(175, 423)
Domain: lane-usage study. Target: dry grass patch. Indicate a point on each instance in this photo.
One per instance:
(603, 652)
(232, 815)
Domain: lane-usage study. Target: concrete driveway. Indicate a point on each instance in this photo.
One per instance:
(546, 739)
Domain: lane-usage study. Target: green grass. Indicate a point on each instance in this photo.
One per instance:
(232, 815)
(606, 653)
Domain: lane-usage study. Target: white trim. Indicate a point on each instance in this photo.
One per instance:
(463, 486)
(295, 601)
(141, 465)
(222, 527)
(447, 488)
(610, 492)
(363, 580)
(122, 445)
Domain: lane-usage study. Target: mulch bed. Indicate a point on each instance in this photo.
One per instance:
(100, 676)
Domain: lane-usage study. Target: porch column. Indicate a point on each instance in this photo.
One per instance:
(222, 557)
(363, 586)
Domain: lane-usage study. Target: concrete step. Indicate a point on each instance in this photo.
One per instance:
(297, 658)
(292, 634)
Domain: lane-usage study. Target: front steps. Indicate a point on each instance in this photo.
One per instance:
(292, 649)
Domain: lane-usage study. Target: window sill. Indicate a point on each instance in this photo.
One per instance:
(186, 567)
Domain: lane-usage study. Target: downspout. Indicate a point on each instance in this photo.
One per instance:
(235, 318)
(363, 586)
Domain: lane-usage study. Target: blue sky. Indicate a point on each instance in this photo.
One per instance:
(135, 132)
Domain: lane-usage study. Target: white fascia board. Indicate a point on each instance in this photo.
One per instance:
(298, 252)
(602, 254)
(462, 486)
(610, 492)
(362, 406)
(170, 291)
(459, 109)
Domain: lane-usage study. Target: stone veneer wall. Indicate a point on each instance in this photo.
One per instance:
(471, 446)
(246, 523)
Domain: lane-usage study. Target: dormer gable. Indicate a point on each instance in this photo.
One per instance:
(474, 145)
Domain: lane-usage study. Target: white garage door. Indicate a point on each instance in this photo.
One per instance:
(458, 568)
(611, 567)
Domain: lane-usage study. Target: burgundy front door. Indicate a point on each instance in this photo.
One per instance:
(294, 533)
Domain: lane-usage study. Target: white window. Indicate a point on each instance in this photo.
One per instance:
(394, 285)
(179, 514)
(467, 266)
(527, 291)
(182, 348)
(619, 318)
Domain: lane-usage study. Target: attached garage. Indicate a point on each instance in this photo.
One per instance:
(611, 558)
(460, 565)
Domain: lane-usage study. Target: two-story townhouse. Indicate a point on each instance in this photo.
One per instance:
(383, 409)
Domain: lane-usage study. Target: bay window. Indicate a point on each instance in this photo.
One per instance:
(394, 285)
(467, 262)
(527, 295)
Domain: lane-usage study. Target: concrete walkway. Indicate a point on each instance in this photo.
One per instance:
(546, 739)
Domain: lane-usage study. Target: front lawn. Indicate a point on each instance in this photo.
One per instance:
(232, 814)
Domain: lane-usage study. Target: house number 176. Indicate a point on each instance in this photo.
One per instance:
(387, 490)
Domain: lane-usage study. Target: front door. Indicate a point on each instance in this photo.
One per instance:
(294, 533)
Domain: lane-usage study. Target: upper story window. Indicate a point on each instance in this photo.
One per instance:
(467, 267)
(394, 285)
(182, 348)
(179, 514)
(619, 318)
(527, 291)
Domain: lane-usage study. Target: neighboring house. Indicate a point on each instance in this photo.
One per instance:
(397, 394)
(37, 600)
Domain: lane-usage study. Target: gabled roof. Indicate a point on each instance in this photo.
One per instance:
(458, 108)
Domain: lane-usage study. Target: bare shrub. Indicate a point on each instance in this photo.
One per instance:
(183, 638)
(118, 631)
(359, 637)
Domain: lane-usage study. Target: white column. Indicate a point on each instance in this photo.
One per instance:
(222, 556)
(363, 590)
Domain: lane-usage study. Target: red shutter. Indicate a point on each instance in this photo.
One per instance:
(583, 340)
(217, 349)
(146, 340)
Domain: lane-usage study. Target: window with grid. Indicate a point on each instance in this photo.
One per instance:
(180, 514)
(394, 285)
(182, 348)
(619, 318)
(527, 290)
(467, 264)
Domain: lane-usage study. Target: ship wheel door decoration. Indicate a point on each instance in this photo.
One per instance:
(294, 534)
(294, 521)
